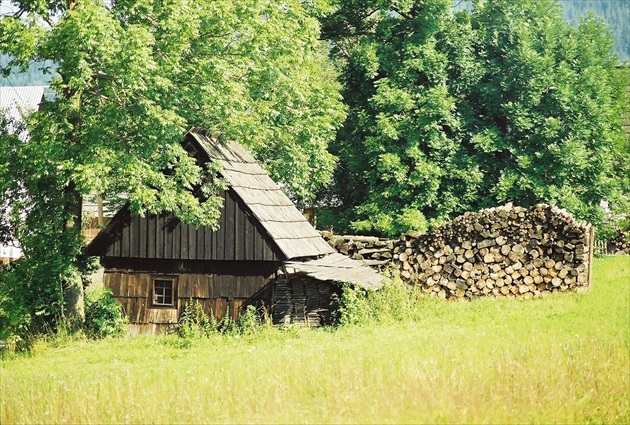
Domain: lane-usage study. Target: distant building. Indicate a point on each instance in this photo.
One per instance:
(17, 102)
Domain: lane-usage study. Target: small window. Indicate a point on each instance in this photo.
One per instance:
(164, 292)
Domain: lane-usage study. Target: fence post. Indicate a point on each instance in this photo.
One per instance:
(591, 248)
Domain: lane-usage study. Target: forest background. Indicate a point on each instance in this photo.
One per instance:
(615, 13)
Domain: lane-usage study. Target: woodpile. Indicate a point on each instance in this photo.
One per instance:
(619, 245)
(304, 301)
(375, 252)
(502, 252)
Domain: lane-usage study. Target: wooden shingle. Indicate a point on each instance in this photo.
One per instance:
(287, 227)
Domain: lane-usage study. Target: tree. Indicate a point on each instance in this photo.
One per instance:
(131, 77)
(544, 119)
(401, 161)
(450, 112)
(615, 13)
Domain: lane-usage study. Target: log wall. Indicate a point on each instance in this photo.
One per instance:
(376, 252)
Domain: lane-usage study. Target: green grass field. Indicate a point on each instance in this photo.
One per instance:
(561, 359)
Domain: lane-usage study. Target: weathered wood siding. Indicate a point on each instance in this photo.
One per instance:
(163, 236)
(225, 288)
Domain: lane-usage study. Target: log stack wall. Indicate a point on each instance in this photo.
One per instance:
(620, 244)
(305, 301)
(376, 252)
(507, 251)
(502, 252)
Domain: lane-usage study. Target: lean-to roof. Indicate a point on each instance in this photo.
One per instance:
(338, 267)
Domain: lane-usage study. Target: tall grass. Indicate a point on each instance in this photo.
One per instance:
(562, 359)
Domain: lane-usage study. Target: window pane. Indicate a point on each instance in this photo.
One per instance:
(163, 292)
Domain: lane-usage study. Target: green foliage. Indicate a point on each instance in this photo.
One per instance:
(30, 300)
(451, 112)
(353, 307)
(195, 323)
(545, 115)
(248, 322)
(15, 312)
(31, 297)
(395, 302)
(103, 315)
(130, 78)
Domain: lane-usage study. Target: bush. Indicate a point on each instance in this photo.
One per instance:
(103, 315)
(249, 322)
(354, 307)
(395, 301)
(194, 323)
(15, 314)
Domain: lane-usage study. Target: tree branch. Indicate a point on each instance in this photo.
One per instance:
(401, 13)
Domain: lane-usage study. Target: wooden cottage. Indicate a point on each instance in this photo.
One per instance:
(154, 264)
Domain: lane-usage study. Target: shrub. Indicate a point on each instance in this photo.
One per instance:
(248, 322)
(103, 315)
(395, 301)
(354, 307)
(194, 323)
(15, 314)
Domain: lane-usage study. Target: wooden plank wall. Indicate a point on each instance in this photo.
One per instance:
(239, 237)
(218, 294)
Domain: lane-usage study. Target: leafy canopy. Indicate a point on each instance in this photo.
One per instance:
(130, 77)
(450, 112)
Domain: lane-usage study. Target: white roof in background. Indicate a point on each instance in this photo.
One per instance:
(20, 100)
(10, 252)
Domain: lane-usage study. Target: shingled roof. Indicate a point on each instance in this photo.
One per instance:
(338, 267)
(288, 228)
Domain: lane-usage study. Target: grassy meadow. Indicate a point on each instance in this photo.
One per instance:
(561, 359)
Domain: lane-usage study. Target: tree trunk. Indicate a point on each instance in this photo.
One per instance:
(73, 291)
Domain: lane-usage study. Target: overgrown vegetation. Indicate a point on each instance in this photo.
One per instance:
(396, 301)
(103, 315)
(15, 314)
(32, 299)
(561, 359)
(195, 323)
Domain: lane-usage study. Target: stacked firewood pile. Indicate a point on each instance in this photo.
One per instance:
(503, 252)
(376, 252)
(304, 301)
(620, 245)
